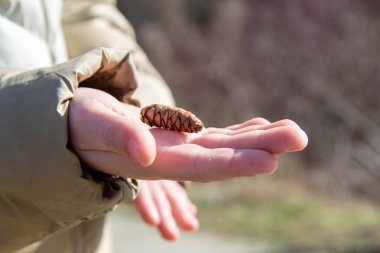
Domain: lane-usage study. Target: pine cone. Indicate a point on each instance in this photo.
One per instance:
(171, 118)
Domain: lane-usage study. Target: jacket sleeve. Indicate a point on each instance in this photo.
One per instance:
(42, 188)
(88, 24)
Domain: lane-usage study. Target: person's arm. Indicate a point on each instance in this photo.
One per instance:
(42, 188)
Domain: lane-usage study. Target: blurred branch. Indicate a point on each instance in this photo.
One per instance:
(368, 159)
(356, 120)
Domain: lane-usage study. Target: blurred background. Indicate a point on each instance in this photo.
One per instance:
(315, 62)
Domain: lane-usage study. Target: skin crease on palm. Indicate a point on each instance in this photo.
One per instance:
(110, 137)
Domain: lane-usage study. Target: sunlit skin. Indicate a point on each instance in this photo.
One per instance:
(109, 136)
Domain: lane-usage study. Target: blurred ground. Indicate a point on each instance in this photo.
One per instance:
(132, 235)
(316, 62)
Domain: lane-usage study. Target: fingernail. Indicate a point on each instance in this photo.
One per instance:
(192, 221)
(173, 229)
(155, 217)
(305, 138)
(302, 143)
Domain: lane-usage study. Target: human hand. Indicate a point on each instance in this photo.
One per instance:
(165, 205)
(110, 137)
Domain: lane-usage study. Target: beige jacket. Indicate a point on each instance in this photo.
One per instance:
(48, 202)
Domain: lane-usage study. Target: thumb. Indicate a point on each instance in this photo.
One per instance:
(98, 122)
(130, 137)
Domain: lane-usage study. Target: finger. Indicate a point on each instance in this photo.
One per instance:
(182, 207)
(275, 140)
(193, 209)
(190, 162)
(167, 226)
(250, 128)
(254, 121)
(284, 122)
(146, 206)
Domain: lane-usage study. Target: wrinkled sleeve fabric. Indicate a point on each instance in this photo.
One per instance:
(42, 188)
(98, 23)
